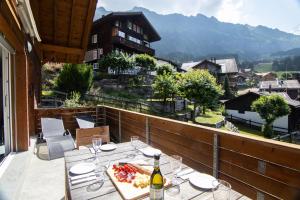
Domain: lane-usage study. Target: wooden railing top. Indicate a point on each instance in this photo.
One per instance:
(218, 131)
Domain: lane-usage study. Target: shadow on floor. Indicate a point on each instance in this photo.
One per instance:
(42, 151)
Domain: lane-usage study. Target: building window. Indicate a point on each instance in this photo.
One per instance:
(96, 66)
(129, 25)
(121, 34)
(118, 23)
(145, 37)
(100, 53)
(134, 27)
(94, 38)
(95, 54)
(138, 29)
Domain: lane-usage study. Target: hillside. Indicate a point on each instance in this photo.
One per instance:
(189, 38)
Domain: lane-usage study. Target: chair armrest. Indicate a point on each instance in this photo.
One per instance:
(67, 132)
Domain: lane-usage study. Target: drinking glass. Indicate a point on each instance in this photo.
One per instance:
(221, 190)
(176, 165)
(97, 142)
(134, 143)
(99, 174)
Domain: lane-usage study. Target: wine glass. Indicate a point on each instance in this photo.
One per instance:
(175, 165)
(221, 190)
(134, 143)
(97, 142)
(99, 174)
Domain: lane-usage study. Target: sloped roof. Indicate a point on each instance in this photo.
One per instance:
(228, 65)
(189, 66)
(288, 99)
(154, 36)
(278, 84)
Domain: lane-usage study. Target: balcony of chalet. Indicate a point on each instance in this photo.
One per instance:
(256, 168)
(117, 40)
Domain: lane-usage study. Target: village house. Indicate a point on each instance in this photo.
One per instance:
(217, 67)
(128, 32)
(239, 109)
(268, 76)
(291, 87)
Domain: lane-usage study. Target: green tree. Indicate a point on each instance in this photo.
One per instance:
(228, 94)
(201, 87)
(75, 77)
(285, 76)
(117, 61)
(165, 86)
(165, 69)
(146, 62)
(270, 108)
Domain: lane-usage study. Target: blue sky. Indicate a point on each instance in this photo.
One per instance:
(281, 14)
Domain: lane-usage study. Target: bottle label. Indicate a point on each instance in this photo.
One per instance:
(156, 194)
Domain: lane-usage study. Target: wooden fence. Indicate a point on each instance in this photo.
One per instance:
(258, 168)
(68, 115)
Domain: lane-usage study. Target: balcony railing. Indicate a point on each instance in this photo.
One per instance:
(257, 168)
(132, 45)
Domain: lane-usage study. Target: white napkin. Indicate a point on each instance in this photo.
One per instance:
(83, 180)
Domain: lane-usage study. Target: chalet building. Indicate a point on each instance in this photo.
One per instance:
(239, 109)
(268, 76)
(291, 87)
(218, 67)
(130, 32)
(31, 34)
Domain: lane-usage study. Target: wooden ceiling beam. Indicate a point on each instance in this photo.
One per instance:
(54, 21)
(62, 49)
(88, 23)
(71, 21)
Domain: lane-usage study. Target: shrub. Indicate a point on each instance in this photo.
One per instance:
(73, 101)
(75, 77)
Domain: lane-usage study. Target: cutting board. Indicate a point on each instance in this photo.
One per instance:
(127, 190)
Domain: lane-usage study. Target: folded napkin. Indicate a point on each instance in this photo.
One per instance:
(82, 180)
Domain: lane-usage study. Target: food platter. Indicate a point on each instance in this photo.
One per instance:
(132, 180)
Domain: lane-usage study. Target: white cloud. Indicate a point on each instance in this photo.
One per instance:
(231, 11)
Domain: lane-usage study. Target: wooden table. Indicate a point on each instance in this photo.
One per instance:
(108, 190)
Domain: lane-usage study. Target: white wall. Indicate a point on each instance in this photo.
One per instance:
(282, 122)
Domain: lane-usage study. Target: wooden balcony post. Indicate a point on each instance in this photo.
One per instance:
(120, 130)
(147, 131)
(216, 155)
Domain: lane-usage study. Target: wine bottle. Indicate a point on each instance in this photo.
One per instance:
(156, 181)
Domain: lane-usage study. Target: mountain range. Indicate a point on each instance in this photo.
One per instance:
(186, 38)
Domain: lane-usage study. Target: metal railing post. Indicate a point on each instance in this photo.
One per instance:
(216, 155)
(147, 131)
(120, 130)
(104, 115)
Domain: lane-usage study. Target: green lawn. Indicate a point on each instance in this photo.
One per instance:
(211, 117)
(247, 130)
(263, 67)
(279, 73)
